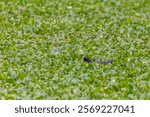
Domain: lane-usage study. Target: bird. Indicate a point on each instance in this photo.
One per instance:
(88, 60)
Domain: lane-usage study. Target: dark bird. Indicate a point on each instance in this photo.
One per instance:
(88, 60)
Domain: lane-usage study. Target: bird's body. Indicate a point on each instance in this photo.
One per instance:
(88, 60)
(105, 62)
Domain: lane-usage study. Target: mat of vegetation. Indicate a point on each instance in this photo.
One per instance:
(43, 43)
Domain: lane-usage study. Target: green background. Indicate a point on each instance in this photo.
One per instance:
(43, 43)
